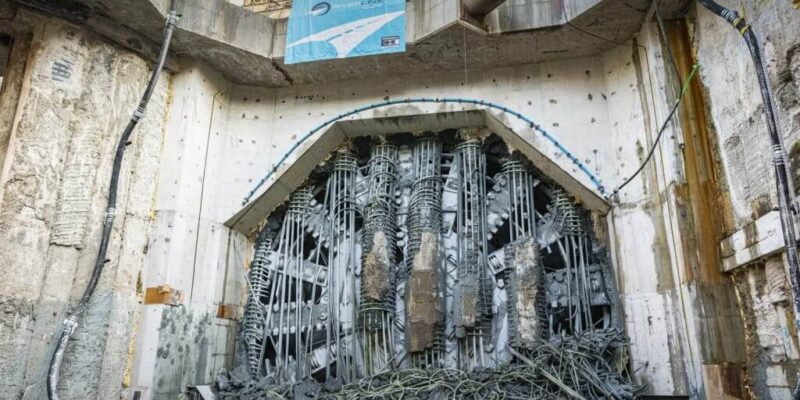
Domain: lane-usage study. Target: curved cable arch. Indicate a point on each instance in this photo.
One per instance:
(443, 100)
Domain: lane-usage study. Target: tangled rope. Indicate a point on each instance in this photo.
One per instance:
(588, 366)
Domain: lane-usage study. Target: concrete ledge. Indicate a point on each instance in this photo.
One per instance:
(758, 239)
(248, 48)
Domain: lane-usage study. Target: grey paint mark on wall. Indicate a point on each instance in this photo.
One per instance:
(62, 70)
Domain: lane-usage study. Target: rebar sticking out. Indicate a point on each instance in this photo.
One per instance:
(472, 295)
(376, 317)
(258, 283)
(570, 216)
(341, 291)
(522, 215)
(424, 317)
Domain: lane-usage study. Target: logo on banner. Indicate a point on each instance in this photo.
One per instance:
(320, 9)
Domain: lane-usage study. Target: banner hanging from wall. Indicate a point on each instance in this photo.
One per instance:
(327, 29)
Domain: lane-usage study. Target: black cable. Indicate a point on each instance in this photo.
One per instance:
(674, 108)
(778, 153)
(677, 74)
(660, 132)
(71, 322)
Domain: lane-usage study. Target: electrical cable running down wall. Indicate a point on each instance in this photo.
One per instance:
(421, 252)
(787, 212)
(71, 322)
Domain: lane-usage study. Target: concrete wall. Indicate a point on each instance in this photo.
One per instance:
(211, 160)
(67, 98)
(566, 98)
(206, 143)
(735, 101)
(189, 248)
(71, 97)
(605, 110)
(735, 107)
(681, 311)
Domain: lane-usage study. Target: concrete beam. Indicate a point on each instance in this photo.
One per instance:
(248, 48)
(757, 240)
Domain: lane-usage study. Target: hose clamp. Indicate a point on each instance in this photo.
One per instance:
(778, 154)
(730, 15)
(110, 213)
(138, 113)
(70, 324)
(172, 18)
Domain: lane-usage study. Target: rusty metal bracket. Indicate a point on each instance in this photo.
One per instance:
(164, 294)
(229, 311)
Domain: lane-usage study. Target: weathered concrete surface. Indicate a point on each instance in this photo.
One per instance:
(528, 284)
(757, 240)
(423, 311)
(13, 77)
(76, 96)
(465, 305)
(771, 343)
(375, 279)
(677, 303)
(189, 249)
(191, 349)
(735, 101)
(735, 107)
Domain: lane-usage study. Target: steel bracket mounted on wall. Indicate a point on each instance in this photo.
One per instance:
(163, 294)
(229, 311)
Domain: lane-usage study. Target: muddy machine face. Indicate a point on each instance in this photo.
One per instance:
(441, 250)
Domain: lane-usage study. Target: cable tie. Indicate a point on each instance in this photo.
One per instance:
(729, 14)
(740, 24)
(744, 29)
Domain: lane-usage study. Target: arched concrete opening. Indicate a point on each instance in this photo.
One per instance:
(290, 175)
(425, 241)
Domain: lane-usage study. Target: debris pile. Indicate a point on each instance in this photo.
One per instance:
(588, 366)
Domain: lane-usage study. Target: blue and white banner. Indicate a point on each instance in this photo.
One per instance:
(326, 29)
